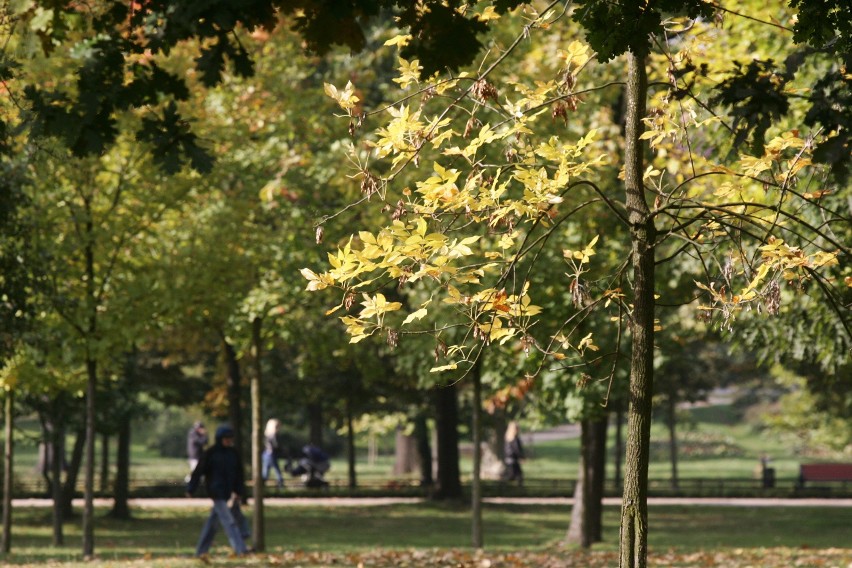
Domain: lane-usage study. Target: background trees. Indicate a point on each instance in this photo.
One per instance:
(470, 189)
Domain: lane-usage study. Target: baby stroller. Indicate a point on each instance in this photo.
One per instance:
(312, 467)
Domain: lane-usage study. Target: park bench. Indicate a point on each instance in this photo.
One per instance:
(827, 472)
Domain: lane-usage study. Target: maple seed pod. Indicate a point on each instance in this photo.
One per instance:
(393, 338)
(348, 300)
(471, 124)
(484, 91)
(320, 234)
(773, 298)
(400, 210)
(369, 184)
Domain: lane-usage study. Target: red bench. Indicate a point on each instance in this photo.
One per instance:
(825, 472)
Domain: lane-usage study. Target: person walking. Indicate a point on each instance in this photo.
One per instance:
(513, 451)
(196, 441)
(222, 470)
(271, 451)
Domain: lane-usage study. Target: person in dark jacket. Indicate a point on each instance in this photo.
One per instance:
(222, 470)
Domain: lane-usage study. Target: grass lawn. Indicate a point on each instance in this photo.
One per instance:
(714, 444)
(429, 534)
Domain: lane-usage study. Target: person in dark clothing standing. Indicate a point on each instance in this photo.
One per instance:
(196, 441)
(222, 470)
(513, 454)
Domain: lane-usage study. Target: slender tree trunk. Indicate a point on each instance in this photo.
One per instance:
(619, 443)
(257, 441)
(476, 483)
(672, 423)
(235, 406)
(121, 491)
(91, 330)
(634, 513)
(8, 451)
(447, 419)
(424, 449)
(89, 474)
(104, 476)
(315, 423)
(350, 445)
(57, 489)
(70, 487)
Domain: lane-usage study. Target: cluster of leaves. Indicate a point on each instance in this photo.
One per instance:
(538, 179)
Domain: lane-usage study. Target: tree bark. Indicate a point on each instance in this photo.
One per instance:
(586, 517)
(57, 489)
(405, 453)
(91, 330)
(424, 449)
(257, 438)
(70, 486)
(235, 407)
(350, 446)
(88, 528)
(476, 482)
(619, 444)
(634, 513)
(121, 491)
(447, 418)
(104, 475)
(8, 454)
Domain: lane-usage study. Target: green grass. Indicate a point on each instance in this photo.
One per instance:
(171, 533)
(729, 449)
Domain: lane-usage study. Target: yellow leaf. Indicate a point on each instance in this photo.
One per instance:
(488, 14)
(399, 40)
(419, 314)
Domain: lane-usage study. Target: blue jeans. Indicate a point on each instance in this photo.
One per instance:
(269, 461)
(231, 519)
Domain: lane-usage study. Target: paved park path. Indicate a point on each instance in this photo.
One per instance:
(155, 503)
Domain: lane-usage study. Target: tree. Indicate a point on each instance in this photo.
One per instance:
(685, 218)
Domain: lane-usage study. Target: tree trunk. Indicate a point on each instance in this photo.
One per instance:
(8, 450)
(634, 513)
(57, 489)
(476, 482)
(424, 449)
(447, 411)
(619, 444)
(91, 330)
(672, 423)
(235, 407)
(586, 516)
(576, 527)
(315, 424)
(88, 528)
(405, 453)
(121, 491)
(596, 476)
(257, 441)
(350, 445)
(104, 476)
(69, 489)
